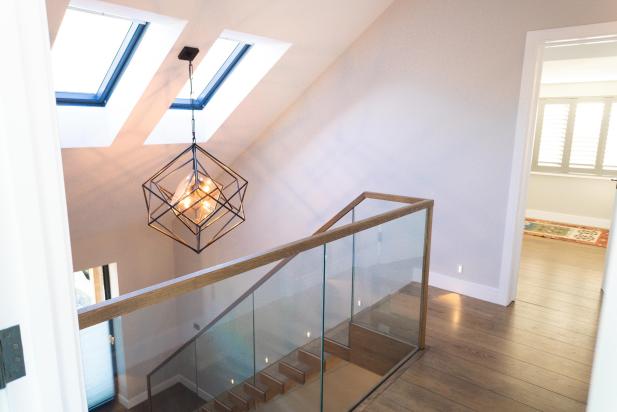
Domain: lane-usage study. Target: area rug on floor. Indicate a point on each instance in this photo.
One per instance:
(572, 233)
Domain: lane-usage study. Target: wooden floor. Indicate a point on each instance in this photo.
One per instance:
(535, 354)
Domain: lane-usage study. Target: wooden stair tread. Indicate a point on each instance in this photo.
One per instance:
(298, 364)
(313, 346)
(208, 407)
(295, 369)
(259, 391)
(240, 400)
(277, 381)
(337, 349)
(313, 360)
(225, 405)
(274, 372)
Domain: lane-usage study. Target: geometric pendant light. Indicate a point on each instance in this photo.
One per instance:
(195, 199)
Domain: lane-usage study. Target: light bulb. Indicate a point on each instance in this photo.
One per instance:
(266, 359)
(196, 202)
(308, 333)
(186, 202)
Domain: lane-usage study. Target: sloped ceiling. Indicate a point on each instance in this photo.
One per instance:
(104, 184)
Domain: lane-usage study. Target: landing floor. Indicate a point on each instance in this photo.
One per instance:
(535, 354)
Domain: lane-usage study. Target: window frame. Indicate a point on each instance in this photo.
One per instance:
(200, 102)
(114, 73)
(565, 168)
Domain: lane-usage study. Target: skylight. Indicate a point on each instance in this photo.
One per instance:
(90, 54)
(212, 71)
(253, 57)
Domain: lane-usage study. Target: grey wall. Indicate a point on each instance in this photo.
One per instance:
(423, 104)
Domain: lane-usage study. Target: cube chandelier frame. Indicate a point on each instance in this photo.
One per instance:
(195, 199)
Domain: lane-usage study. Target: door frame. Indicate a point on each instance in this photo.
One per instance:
(523, 144)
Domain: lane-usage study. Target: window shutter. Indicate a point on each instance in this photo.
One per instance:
(610, 150)
(553, 137)
(586, 134)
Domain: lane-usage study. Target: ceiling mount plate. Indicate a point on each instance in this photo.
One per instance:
(188, 53)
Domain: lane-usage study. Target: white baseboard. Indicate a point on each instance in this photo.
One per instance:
(123, 400)
(571, 219)
(465, 287)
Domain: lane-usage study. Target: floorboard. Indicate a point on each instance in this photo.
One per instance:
(535, 354)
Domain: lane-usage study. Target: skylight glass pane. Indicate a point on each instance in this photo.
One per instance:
(85, 48)
(586, 134)
(610, 151)
(218, 54)
(553, 139)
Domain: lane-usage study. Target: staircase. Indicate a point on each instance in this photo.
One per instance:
(372, 350)
(296, 369)
(330, 317)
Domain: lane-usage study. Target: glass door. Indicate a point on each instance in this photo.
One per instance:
(92, 286)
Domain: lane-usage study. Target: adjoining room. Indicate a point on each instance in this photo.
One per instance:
(570, 199)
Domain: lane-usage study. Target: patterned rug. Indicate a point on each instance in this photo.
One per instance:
(572, 233)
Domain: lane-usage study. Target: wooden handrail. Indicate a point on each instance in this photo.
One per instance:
(127, 303)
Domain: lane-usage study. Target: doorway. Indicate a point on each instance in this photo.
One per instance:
(93, 286)
(526, 155)
(574, 154)
(562, 200)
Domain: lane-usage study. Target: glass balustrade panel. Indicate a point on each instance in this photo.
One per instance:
(387, 277)
(383, 267)
(288, 326)
(225, 355)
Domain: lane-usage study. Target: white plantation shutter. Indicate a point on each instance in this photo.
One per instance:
(586, 134)
(577, 135)
(553, 135)
(610, 151)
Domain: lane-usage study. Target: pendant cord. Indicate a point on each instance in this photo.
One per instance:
(192, 103)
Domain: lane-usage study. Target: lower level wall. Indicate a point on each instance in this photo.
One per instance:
(143, 338)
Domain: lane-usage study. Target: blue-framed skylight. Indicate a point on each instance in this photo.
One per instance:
(90, 54)
(213, 70)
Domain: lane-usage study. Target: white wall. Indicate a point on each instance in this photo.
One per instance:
(424, 104)
(567, 199)
(36, 290)
(144, 256)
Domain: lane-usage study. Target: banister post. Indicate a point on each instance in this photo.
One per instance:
(425, 274)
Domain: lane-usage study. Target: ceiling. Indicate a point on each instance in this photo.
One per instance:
(581, 62)
(106, 182)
